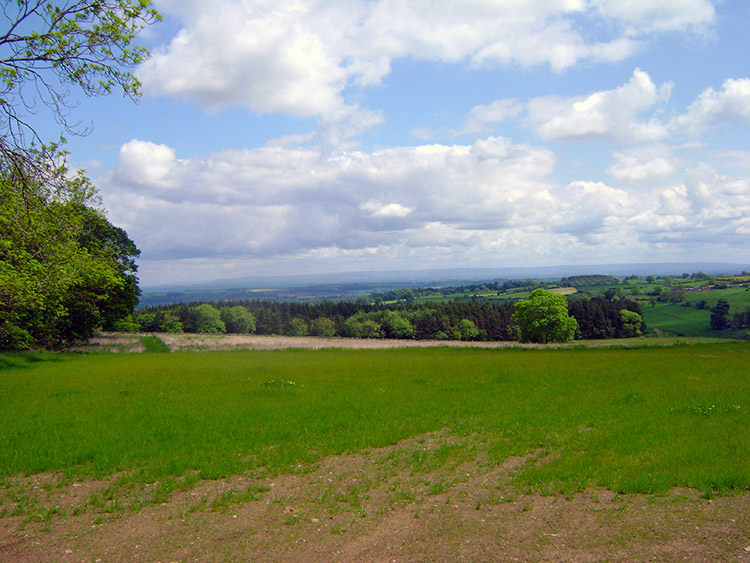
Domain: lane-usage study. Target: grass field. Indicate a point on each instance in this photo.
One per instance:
(673, 318)
(631, 420)
(737, 297)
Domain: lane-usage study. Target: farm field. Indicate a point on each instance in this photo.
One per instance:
(544, 453)
(671, 318)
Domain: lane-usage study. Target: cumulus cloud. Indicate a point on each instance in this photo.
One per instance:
(377, 209)
(146, 165)
(613, 114)
(642, 165)
(590, 211)
(283, 201)
(248, 54)
(629, 114)
(713, 109)
(491, 202)
(483, 115)
(297, 57)
(639, 16)
(708, 208)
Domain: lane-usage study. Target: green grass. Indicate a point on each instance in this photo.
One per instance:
(737, 297)
(644, 419)
(154, 344)
(673, 318)
(14, 360)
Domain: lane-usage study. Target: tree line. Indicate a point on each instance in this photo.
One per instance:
(448, 320)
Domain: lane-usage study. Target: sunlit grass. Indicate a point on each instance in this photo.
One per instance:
(631, 420)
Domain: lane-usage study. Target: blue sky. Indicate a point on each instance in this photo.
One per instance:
(302, 136)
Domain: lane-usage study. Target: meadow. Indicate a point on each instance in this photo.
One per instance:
(640, 420)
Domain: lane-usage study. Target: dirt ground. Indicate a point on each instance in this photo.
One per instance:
(373, 506)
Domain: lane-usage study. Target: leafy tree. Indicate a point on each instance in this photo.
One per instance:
(612, 293)
(722, 307)
(544, 318)
(208, 319)
(631, 323)
(168, 322)
(467, 330)
(742, 319)
(298, 327)
(103, 239)
(360, 325)
(395, 325)
(238, 320)
(48, 45)
(323, 326)
(64, 269)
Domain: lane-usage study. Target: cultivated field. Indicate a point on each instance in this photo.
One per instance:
(438, 454)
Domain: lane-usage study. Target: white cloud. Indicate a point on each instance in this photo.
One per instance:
(389, 210)
(712, 109)
(491, 202)
(590, 211)
(641, 166)
(268, 60)
(643, 16)
(708, 209)
(297, 57)
(628, 114)
(610, 113)
(146, 165)
(284, 201)
(483, 115)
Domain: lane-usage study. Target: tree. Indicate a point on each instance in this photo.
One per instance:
(719, 319)
(298, 327)
(208, 319)
(467, 330)
(395, 325)
(631, 323)
(238, 320)
(64, 269)
(544, 318)
(323, 326)
(48, 45)
(103, 239)
(360, 325)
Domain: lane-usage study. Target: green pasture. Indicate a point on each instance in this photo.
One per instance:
(633, 420)
(737, 297)
(674, 318)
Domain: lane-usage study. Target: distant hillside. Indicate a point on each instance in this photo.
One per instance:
(351, 285)
(454, 275)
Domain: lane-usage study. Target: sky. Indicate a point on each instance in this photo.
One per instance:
(282, 137)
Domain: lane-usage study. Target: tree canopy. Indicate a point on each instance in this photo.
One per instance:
(544, 318)
(46, 46)
(64, 268)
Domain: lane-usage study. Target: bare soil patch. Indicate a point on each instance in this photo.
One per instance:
(374, 506)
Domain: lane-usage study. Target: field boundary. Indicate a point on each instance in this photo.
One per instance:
(133, 343)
